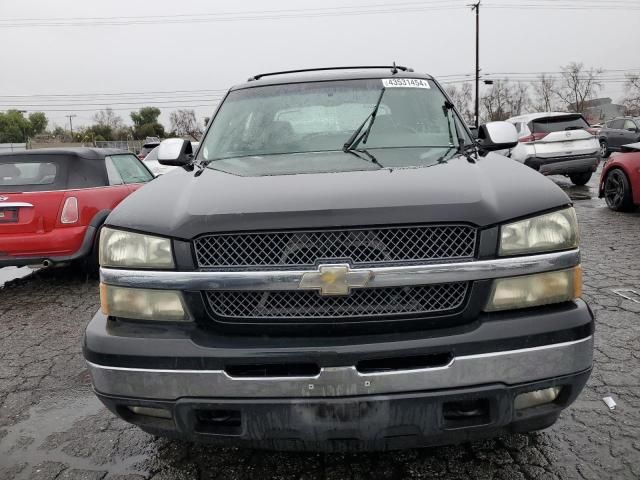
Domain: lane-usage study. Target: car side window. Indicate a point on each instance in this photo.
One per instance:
(112, 172)
(130, 169)
(629, 125)
(616, 124)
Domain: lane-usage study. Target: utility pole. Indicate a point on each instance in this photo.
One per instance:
(70, 117)
(476, 7)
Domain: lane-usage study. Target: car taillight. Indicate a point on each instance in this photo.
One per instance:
(533, 137)
(69, 211)
(592, 131)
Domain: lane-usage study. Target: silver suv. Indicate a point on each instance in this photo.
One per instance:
(557, 143)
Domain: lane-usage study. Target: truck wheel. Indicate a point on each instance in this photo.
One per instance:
(580, 178)
(617, 191)
(604, 149)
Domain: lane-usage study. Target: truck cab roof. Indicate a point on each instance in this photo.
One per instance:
(329, 74)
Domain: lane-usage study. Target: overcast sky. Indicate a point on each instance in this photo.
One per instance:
(183, 55)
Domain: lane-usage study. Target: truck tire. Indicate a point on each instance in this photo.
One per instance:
(617, 191)
(580, 178)
(90, 264)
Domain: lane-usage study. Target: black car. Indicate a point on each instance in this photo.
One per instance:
(618, 132)
(341, 267)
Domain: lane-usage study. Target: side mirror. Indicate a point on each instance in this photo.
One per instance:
(497, 136)
(175, 152)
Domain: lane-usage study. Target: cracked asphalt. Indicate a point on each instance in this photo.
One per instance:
(52, 427)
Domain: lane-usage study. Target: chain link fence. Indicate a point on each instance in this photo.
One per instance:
(132, 146)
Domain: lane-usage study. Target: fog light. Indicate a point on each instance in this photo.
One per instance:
(535, 398)
(151, 412)
(535, 290)
(142, 304)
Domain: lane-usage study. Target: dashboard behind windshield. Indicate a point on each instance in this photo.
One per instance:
(321, 116)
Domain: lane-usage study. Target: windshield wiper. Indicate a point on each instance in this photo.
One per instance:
(368, 154)
(447, 108)
(463, 148)
(354, 139)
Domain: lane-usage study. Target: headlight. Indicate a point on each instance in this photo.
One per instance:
(126, 249)
(535, 290)
(142, 304)
(545, 233)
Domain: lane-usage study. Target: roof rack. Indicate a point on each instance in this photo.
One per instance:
(394, 69)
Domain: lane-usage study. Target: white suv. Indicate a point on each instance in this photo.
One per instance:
(557, 143)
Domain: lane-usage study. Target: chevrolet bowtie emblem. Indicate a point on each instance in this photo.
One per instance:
(335, 279)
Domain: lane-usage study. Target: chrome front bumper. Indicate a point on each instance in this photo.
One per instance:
(505, 367)
(428, 274)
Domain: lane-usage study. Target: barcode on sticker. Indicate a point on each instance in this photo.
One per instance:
(405, 83)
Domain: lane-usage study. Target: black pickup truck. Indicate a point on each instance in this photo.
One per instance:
(341, 267)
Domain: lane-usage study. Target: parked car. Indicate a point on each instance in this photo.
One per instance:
(54, 201)
(620, 179)
(557, 144)
(146, 148)
(341, 267)
(595, 128)
(151, 161)
(617, 133)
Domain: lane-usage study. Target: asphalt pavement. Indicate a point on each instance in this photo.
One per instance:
(52, 427)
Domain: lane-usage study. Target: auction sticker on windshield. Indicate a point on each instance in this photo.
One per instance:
(405, 83)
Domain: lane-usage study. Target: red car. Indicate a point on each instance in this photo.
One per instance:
(53, 201)
(620, 179)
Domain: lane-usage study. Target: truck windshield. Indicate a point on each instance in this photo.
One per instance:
(321, 116)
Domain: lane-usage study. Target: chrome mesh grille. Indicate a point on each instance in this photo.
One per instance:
(359, 246)
(308, 304)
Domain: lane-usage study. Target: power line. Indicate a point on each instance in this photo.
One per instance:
(199, 98)
(207, 102)
(203, 14)
(237, 16)
(399, 7)
(161, 92)
(581, 6)
(114, 109)
(150, 102)
(604, 70)
(198, 94)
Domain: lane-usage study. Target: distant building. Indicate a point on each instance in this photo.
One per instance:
(600, 110)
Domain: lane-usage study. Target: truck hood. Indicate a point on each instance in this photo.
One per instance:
(492, 190)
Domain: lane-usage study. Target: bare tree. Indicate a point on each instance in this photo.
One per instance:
(632, 97)
(183, 122)
(517, 98)
(108, 118)
(505, 100)
(463, 100)
(545, 94)
(578, 85)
